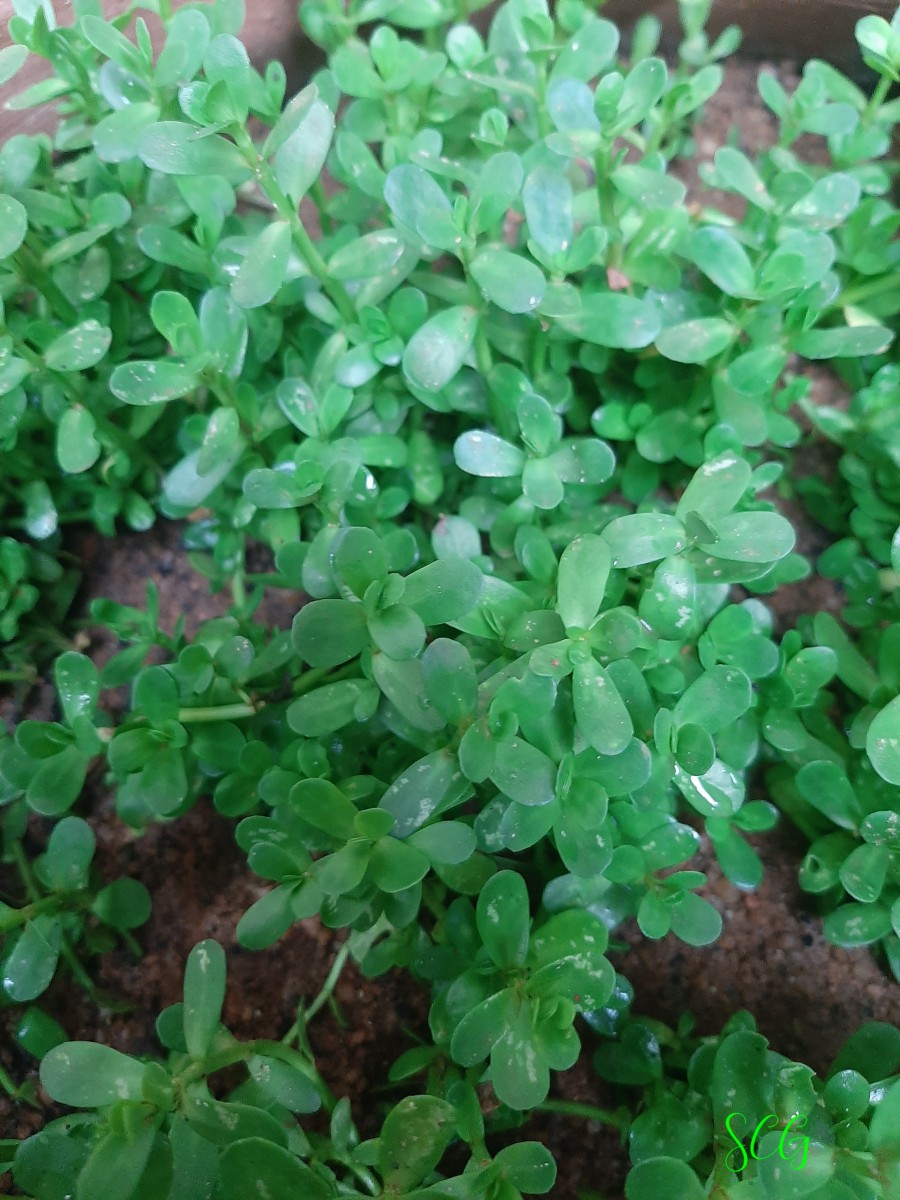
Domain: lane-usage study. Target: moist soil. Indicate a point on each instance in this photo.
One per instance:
(807, 996)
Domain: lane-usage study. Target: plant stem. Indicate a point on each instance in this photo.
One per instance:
(54, 903)
(318, 194)
(877, 98)
(569, 1108)
(36, 274)
(7, 1084)
(305, 1015)
(25, 675)
(221, 712)
(330, 983)
(483, 350)
(66, 953)
(863, 291)
(242, 1053)
(288, 212)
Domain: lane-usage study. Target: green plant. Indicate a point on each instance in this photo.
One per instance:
(440, 346)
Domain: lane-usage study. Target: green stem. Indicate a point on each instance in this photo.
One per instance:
(18, 916)
(496, 83)
(538, 352)
(7, 1084)
(877, 98)
(222, 712)
(36, 274)
(305, 1015)
(569, 1108)
(607, 197)
(66, 953)
(483, 351)
(318, 194)
(23, 866)
(864, 291)
(330, 983)
(310, 679)
(25, 675)
(288, 212)
(244, 1051)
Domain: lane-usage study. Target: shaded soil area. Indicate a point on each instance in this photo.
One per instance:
(807, 996)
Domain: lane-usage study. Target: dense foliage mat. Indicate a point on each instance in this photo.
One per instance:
(441, 344)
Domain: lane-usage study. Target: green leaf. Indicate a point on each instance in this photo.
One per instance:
(67, 860)
(329, 708)
(864, 871)
(508, 280)
(420, 792)
(528, 1166)
(496, 189)
(854, 925)
(123, 904)
(263, 270)
(436, 352)
(30, 966)
(613, 319)
(396, 866)
(78, 684)
(444, 590)
(873, 1050)
(752, 537)
(266, 920)
(416, 200)
(143, 383)
(77, 448)
(89, 1075)
(327, 633)
(718, 698)
(79, 348)
(829, 202)
(12, 60)
(186, 486)
(694, 920)
(204, 994)
(175, 148)
(826, 786)
(116, 135)
(374, 253)
(414, 1136)
(485, 454)
(519, 1072)
(884, 1134)
(300, 158)
(600, 713)
(883, 742)
(583, 573)
(668, 1177)
(716, 487)
(523, 773)
(695, 341)
(256, 1167)
(13, 219)
(649, 189)
(722, 258)
(548, 200)
(643, 538)
(450, 679)
(446, 842)
(843, 341)
(57, 784)
(503, 917)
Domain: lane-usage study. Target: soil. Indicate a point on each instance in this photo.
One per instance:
(806, 995)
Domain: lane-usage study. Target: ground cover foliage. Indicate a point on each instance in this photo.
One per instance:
(440, 342)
